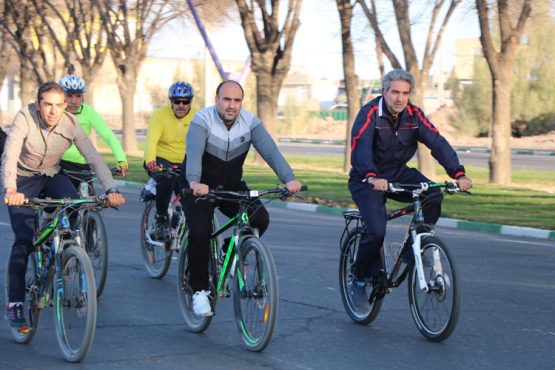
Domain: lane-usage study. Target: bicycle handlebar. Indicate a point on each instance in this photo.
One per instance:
(89, 173)
(39, 203)
(173, 170)
(451, 187)
(246, 195)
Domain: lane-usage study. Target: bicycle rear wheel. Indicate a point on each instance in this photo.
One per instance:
(347, 260)
(31, 304)
(156, 255)
(96, 245)
(195, 323)
(435, 312)
(75, 304)
(255, 294)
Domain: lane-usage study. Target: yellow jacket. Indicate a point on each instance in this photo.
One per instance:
(166, 135)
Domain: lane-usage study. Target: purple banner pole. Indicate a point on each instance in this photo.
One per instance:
(207, 42)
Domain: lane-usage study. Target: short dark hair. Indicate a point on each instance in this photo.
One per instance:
(232, 81)
(49, 86)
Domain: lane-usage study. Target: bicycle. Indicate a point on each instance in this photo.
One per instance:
(433, 289)
(92, 227)
(248, 263)
(59, 273)
(157, 254)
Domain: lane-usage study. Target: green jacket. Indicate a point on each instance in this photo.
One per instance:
(89, 118)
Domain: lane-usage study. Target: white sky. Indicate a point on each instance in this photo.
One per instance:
(317, 46)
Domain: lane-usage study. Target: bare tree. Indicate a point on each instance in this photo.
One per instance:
(500, 64)
(420, 72)
(270, 49)
(130, 26)
(6, 57)
(73, 25)
(345, 9)
(38, 59)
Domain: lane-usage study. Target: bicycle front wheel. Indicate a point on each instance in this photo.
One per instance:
(75, 304)
(255, 294)
(347, 260)
(156, 255)
(436, 311)
(96, 245)
(195, 323)
(31, 303)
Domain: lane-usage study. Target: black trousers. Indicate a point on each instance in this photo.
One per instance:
(165, 184)
(371, 204)
(199, 215)
(23, 225)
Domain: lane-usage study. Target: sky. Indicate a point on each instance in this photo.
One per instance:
(317, 45)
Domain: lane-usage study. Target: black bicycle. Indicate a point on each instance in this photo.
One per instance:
(248, 264)
(92, 227)
(59, 273)
(157, 255)
(433, 288)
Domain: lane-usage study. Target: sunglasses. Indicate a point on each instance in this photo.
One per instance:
(181, 101)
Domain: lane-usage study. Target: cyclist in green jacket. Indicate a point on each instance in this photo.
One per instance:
(72, 160)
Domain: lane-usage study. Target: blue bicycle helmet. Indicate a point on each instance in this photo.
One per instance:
(182, 90)
(73, 84)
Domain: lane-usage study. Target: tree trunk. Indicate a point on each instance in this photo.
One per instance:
(426, 163)
(266, 104)
(351, 80)
(500, 157)
(27, 88)
(127, 87)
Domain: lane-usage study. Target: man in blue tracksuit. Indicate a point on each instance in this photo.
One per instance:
(384, 138)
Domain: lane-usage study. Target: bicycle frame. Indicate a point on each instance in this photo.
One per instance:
(241, 226)
(57, 227)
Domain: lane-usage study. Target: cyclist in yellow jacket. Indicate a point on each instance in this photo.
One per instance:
(165, 147)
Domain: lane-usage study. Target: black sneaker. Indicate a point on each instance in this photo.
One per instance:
(161, 228)
(16, 317)
(358, 294)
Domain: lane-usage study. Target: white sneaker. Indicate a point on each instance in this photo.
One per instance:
(201, 304)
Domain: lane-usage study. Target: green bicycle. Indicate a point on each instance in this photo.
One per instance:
(250, 267)
(60, 274)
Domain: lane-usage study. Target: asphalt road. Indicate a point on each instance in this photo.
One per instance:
(473, 158)
(506, 322)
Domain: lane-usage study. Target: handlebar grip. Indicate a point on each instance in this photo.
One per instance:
(304, 187)
(186, 191)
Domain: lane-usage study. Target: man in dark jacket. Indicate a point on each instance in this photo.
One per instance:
(384, 138)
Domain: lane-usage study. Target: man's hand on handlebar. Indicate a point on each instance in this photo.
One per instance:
(123, 168)
(152, 165)
(199, 189)
(464, 183)
(13, 198)
(378, 184)
(293, 186)
(115, 199)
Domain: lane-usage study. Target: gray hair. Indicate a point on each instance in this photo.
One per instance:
(397, 75)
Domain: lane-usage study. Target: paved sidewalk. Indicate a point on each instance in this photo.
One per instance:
(444, 222)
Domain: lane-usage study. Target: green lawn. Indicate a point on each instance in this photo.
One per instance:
(516, 205)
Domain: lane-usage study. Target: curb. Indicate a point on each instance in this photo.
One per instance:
(443, 222)
(474, 149)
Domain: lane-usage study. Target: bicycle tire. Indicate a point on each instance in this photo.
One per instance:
(195, 323)
(347, 259)
(96, 245)
(156, 259)
(255, 294)
(75, 303)
(31, 307)
(436, 312)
